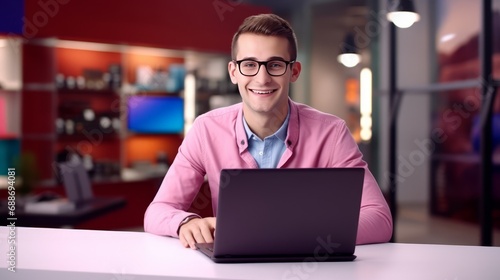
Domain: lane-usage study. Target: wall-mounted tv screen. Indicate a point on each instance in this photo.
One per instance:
(155, 114)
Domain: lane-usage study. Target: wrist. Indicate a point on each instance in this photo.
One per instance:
(185, 221)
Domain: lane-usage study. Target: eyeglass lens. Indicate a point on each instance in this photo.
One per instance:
(273, 67)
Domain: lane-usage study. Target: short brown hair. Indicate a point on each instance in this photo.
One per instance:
(270, 25)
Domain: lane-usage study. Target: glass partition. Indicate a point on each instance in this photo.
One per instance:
(454, 140)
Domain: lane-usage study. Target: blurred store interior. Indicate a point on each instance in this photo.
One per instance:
(80, 78)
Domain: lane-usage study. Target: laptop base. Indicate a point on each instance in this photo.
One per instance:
(207, 249)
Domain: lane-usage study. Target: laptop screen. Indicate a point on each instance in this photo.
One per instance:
(280, 212)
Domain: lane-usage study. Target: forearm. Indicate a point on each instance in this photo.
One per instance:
(375, 219)
(375, 225)
(175, 195)
(163, 219)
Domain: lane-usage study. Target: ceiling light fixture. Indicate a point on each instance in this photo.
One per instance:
(402, 13)
(349, 55)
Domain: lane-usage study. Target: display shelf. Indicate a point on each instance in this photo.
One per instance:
(87, 121)
(150, 73)
(89, 64)
(93, 92)
(86, 82)
(89, 89)
(88, 106)
(157, 93)
(68, 139)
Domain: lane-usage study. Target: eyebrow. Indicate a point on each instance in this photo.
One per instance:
(269, 59)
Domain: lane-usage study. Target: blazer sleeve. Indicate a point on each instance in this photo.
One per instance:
(178, 188)
(375, 220)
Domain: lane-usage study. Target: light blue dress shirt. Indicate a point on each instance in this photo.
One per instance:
(267, 153)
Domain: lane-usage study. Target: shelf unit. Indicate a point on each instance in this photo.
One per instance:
(10, 102)
(79, 103)
(75, 105)
(87, 94)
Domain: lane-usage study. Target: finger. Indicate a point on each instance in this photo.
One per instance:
(183, 240)
(206, 232)
(192, 244)
(211, 222)
(199, 237)
(187, 239)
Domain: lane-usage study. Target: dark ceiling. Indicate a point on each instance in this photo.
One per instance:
(346, 13)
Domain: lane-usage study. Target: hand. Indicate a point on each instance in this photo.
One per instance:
(197, 230)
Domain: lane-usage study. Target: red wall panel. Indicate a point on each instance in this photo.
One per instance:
(38, 112)
(38, 64)
(195, 24)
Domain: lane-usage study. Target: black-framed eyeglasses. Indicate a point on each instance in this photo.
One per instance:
(275, 67)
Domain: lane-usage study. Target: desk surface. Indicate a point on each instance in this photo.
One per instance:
(83, 254)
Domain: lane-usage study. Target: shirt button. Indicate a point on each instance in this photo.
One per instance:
(261, 153)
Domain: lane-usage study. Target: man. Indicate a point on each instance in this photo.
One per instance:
(266, 130)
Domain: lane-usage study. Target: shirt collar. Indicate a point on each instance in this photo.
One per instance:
(280, 134)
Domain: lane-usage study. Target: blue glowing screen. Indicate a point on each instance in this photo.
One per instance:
(155, 114)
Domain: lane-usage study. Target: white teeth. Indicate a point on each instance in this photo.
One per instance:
(262, 91)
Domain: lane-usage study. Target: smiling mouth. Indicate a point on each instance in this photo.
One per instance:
(262, 92)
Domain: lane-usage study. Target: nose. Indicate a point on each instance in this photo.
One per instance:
(262, 76)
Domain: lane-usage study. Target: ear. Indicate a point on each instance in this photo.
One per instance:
(296, 68)
(231, 68)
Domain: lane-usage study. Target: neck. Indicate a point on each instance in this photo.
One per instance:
(264, 125)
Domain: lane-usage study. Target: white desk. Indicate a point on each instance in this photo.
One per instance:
(81, 254)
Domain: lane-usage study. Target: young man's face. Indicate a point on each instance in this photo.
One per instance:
(263, 93)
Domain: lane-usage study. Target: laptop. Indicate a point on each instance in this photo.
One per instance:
(76, 182)
(286, 215)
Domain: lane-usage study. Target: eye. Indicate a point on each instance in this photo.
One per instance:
(248, 64)
(275, 64)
